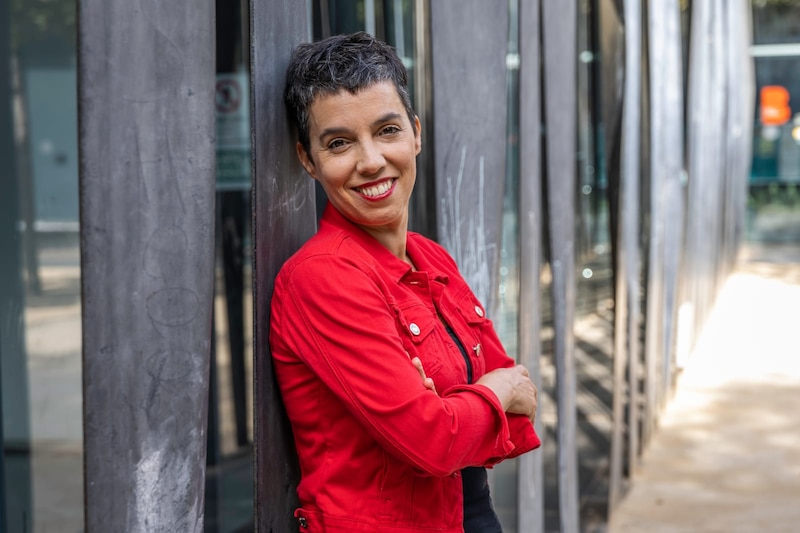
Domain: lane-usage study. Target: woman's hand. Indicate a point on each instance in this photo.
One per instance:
(514, 388)
(428, 382)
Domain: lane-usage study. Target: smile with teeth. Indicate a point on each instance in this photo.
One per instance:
(374, 191)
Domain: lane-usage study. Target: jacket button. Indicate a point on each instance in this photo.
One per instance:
(303, 522)
(479, 311)
(414, 328)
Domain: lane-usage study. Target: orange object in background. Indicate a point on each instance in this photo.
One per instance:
(775, 110)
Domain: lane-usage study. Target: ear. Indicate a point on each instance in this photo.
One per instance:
(305, 160)
(417, 135)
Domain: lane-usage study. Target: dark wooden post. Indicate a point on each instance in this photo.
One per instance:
(531, 469)
(468, 49)
(627, 311)
(665, 202)
(741, 100)
(283, 219)
(559, 32)
(146, 95)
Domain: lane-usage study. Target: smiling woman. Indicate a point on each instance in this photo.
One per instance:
(362, 150)
(397, 387)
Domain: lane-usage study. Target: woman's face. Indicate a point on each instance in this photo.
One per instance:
(363, 152)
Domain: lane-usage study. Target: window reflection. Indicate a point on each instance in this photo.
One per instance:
(773, 205)
(230, 465)
(40, 306)
(600, 41)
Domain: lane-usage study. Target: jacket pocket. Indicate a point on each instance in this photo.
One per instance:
(416, 325)
(471, 310)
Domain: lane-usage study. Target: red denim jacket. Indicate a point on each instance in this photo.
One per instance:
(377, 450)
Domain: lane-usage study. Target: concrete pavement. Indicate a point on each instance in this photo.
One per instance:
(726, 456)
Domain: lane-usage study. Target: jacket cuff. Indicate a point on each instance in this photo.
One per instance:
(503, 444)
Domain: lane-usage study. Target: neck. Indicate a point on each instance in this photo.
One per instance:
(393, 240)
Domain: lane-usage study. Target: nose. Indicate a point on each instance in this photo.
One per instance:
(371, 159)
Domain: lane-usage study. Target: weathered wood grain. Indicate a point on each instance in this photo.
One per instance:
(146, 96)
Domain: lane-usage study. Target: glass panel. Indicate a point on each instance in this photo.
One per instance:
(230, 468)
(505, 487)
(40, 311)
(776, 21)
(599, 47)
(773, 209)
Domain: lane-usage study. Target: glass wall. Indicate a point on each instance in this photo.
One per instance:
(599, 112)
(504, 475)
(774, 198)
(229, 474)
(40, 304)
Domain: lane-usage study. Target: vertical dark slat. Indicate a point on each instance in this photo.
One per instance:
(699, 70)
(626, 349)
(672, 140)
(741, 100)
(11, 297)
(559, 27)
(7, 230)
(702, 160)
(283, 219)
(422, 210)
(720, 182)
(637, 371)
(665, 230)
(146, 81)
(727, 225)
(717, 182)
(531, 468)
(16, 504)
(655, 231)
(3, 520)
(212, 502)
(468, 45)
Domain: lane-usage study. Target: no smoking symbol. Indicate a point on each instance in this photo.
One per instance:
(229, 96)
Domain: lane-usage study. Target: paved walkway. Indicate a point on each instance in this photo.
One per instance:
(726, 457)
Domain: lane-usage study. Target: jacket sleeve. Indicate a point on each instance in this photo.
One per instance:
(335, 318)
(522, 433)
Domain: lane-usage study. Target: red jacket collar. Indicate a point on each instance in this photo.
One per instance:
(331, 217)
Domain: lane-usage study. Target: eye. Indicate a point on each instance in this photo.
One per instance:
(390, 130)
(337, 145)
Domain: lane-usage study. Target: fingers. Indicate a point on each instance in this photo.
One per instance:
(426, 381)
(418, 365)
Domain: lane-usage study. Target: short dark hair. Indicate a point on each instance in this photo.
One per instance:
(352, 62)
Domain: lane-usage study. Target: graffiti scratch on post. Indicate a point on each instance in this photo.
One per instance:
(466, 239)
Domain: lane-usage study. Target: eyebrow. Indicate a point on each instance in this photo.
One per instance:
(380, 120)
